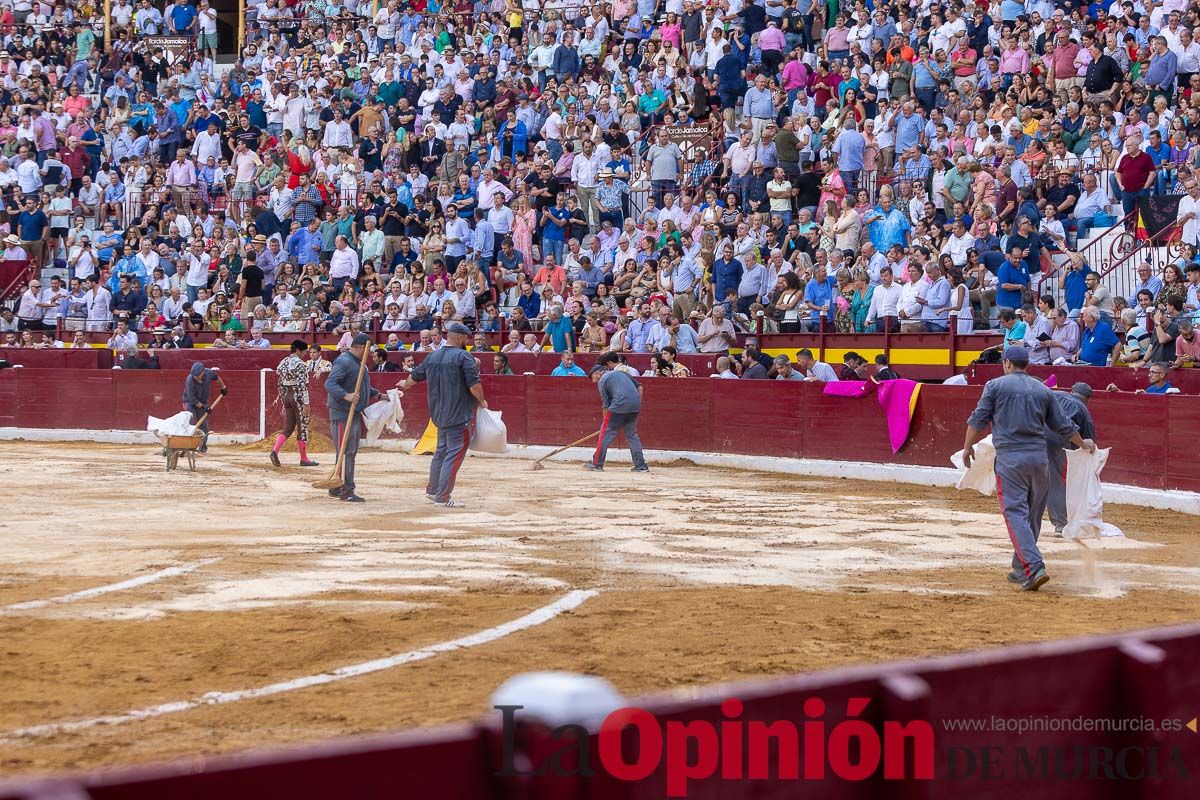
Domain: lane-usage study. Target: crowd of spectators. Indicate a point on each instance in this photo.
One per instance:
(392, 166)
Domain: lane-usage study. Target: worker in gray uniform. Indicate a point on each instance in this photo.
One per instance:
(1020, 409)
(454, 393)
(621, 402)
(346, 401)
(1075, 405)
(197, 391)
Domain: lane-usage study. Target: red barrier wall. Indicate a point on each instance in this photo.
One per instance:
(538, 363)
(82, 358)
(767, 418)
(1147, 675)
(919, 356)
(1126, 379)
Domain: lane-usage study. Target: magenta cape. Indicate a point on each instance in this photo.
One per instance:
(898, 399)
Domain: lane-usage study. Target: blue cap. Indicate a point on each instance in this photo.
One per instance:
(197, 368)
(458, 327)
(1016, 352)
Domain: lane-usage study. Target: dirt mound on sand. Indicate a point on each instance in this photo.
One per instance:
(317, 443)
(680, 462)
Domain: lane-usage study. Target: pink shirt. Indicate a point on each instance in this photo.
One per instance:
(672, 33)
(795, 75)
(1014, 62)
(837, 40)
(771, 39)
(43, 133)
(1063, 60)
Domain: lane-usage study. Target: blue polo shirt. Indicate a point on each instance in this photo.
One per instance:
(182, 16)
(561, 332)
(1096, 345)
(820, 294)
(1075, 287)
(1006, 298)
(31, 226)
(557, 232)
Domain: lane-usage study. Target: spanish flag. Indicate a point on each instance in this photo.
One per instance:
(898, 399)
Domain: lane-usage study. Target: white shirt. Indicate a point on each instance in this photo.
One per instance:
(172, 309)
(197, 272)
(206, 146)
(343, 263)
(99, 301)
(29, 176)
(208, 20)
(584, 171)
(885, 301)
(486, 192)
(337, 134)
(1192, 226)
(956, 247)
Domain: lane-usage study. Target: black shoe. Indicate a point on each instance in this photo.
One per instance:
(310, 463)
(335, 492)
(351, 498)
(275, 459)
(1039, 579)
(588, 465)
(642, 468)
(1014, 577)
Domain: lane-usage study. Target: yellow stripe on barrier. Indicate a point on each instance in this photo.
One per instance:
(911, 356)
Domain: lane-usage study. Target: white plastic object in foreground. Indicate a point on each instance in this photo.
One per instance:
(559, 698)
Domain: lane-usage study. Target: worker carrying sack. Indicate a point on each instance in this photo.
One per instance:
(491, 436)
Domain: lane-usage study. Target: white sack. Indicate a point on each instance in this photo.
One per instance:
(955, 380)
(982, 475)
(178, 425)
(387, 414)
(1085, 502)
(491, 435)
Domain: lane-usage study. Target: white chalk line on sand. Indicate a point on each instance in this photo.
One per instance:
(567, 602)
(96, 591)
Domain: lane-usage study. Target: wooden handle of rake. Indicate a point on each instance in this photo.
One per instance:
(199, 422)
(538, 464)
(340, 466)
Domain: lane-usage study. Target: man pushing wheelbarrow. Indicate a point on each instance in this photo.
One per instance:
(197, 392)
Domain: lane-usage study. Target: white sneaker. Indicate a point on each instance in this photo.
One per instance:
(450, 504)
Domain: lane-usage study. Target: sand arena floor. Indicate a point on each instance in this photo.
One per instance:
(124, 588)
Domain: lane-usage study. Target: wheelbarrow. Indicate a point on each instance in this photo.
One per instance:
(175, 446)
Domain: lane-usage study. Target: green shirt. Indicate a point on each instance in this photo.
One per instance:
(958, 185)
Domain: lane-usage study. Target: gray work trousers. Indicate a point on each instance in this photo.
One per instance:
(1056, 501)
(451, 449)
(1022, 484)
(337, 428)
(613, 424)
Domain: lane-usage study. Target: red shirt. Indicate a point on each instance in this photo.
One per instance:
(1134, 170)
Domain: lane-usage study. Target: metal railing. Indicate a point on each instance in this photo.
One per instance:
(10, 292)
(1113, 243)
(1160, 248)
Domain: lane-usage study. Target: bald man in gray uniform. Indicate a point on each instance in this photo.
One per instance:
(1074, 404)
(1020, 409)
(454, 393)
